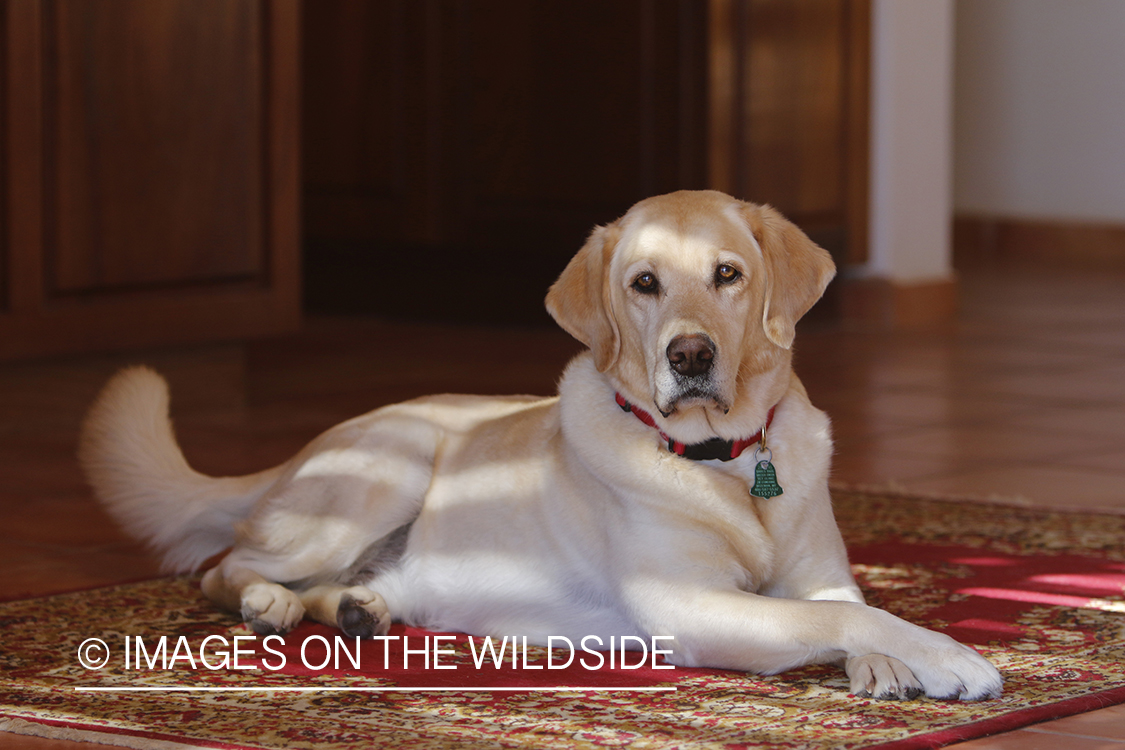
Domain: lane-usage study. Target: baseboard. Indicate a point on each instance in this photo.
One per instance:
(890, 304)
(982, 240)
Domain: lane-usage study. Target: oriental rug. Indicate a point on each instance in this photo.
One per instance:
(154, 665)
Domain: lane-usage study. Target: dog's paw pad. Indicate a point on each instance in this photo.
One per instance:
(363, 616)
(263, 627)
(354, 620)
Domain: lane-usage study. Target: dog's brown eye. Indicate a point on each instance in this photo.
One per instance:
(725, 274)
(646, 283)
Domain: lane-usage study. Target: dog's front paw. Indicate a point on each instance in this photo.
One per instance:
(363, 613)
(271, 609)
(882, 677)
(958, 672)
(949, 670)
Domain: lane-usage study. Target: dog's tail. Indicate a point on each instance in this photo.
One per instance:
(139, 474)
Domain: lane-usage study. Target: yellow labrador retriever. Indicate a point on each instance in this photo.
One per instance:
(676, 486)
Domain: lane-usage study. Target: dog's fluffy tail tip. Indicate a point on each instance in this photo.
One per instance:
(133, 386)
(127, 421)
(128, 452)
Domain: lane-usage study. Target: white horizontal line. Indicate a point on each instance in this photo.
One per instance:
(175, 689)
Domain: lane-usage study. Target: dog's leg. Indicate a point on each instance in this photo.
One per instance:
(351, 488)
(872, 675)
(737, 630)
(338, 507)
(356, 610)
(815, 568)
(245, 580)
(269, 608)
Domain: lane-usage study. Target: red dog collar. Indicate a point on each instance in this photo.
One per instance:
(715, 448)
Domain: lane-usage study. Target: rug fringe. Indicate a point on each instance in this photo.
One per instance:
(48, 731)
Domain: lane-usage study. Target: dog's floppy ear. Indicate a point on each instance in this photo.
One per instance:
(579, 299)
(797, 272)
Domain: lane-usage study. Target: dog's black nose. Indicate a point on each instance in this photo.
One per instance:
(691, 354)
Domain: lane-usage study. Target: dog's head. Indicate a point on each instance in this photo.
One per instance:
(688, 303)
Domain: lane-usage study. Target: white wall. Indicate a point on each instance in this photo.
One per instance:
(911, 140)
(1040, 109)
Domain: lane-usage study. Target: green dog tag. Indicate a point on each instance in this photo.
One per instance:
(765, 481)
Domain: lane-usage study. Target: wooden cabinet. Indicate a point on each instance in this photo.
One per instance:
(150, 160)
(458, 151)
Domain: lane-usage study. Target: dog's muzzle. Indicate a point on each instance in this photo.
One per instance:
(691, 358)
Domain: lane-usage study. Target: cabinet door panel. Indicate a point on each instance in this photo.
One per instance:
(795, 117)
(150, 172)
(154, 128)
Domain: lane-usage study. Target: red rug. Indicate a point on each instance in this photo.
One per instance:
(1041, 594)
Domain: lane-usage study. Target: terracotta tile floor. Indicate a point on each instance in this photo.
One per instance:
(1023, 398)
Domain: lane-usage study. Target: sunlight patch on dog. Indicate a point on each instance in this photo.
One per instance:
(688, 253)
(333, 462)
